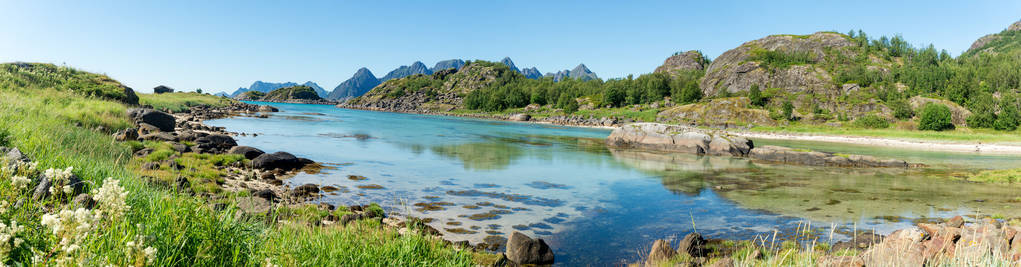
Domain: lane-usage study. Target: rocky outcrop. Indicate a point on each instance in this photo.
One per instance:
(687, 61)
(279, 160)
(777, 154)
(158, 119)
(980, 44)
(738, 69)
(679, 139)
(959, 114)
(685, 139)
(723, 112)
(520, 117)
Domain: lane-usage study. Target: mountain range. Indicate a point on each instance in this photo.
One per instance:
(363, 80)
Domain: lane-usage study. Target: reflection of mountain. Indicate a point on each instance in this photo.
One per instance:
(481, 156)
(820, 193)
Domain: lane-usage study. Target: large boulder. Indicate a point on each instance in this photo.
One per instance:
(279, 160)
(165, 122)
(247, 151)
(523, 250)
(215, 143)
(520, 117)
(162, 89)
(691, 60)
(677, 138)
(130, 97)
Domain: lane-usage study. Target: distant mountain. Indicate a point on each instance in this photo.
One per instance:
(405, 71)
(266, 87)
(319, 90)
(510, 63)
(223, 94)
(531, 73)
(448, 64)
(581, 72)
(356, 86)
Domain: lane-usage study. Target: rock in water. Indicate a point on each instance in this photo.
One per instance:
(165, 122)
(679, 138)
(522, 250)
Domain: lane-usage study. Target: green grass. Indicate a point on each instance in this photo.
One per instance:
(362, 243)
(996, 176)
(58, 128)
(181, 101)
(957, 135)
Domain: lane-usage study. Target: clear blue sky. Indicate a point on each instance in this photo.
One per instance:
(223, 45)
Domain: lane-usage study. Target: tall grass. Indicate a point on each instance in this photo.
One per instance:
(180, 101)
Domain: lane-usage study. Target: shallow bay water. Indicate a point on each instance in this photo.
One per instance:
(480, 180)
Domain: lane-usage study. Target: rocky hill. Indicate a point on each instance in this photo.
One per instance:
(300, 94)
(362, 81)
(1008, 39)
(691, 60)
(510, 63)
(440, 91)
(251, 96)
(18, 74)
(266, 87)
(404, 71)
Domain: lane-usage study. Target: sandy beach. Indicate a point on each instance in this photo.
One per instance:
(926, 145)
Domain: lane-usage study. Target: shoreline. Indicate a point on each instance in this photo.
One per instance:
(922, 145)
(914, 144)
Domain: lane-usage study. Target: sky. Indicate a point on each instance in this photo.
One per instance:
(223, 45)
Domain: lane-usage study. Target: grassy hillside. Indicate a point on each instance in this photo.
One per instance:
(180, 101)
(63, 119)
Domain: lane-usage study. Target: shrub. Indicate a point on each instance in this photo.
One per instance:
(935, 117)
(755, 95)
(872, 121)
(788, 110)
(901, 109)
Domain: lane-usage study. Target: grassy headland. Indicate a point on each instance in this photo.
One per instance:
(63, 118)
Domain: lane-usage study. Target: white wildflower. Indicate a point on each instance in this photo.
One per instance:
(9, 240)
(61, 180)
(111, 198)
(139, 254)
(3, 206)
(71, 227)
(269, 263)
(20, 182)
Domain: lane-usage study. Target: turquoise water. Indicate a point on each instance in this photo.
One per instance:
(480, 180)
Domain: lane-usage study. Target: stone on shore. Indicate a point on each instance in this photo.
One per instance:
(694, 245)
(661, 251)
(523, 250)
(165, 122)
(247, 151)
(279, 160)
(215, 143)
(520, 117)
(677, 138)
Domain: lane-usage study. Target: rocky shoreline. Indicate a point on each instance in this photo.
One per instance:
(691, 140)
(954, 241)
(562, 120)
(263, 179)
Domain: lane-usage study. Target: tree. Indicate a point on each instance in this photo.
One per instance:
(198, 90)
(756, 96)
(901, 109)
(935, 117)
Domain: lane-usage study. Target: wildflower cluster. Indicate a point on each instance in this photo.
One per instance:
(70, 227)
(61, 180)
(111, 198)
(9, 239)
(139, 254)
